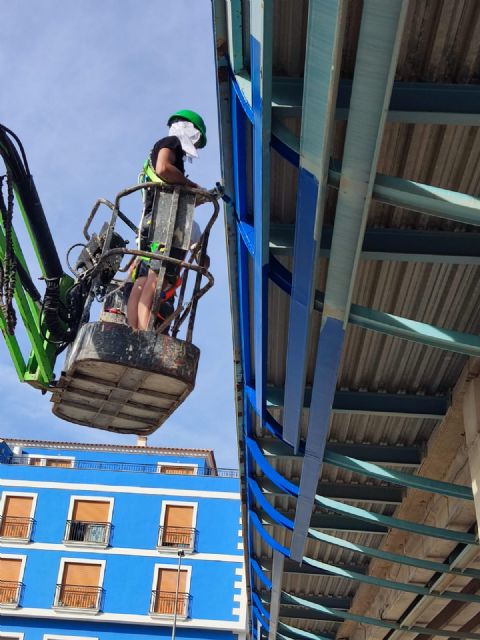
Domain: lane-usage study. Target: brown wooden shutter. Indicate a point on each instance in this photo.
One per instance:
(178, 516)
(166, 590)
(90, 511)
(52, 462)
(10, 569)
(15, 521)
(80, 584)
(180, 471)
(18, 507)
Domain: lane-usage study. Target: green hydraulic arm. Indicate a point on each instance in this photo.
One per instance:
(36, 368)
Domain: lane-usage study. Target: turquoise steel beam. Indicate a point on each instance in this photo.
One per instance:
(364, 492)
(234, 30)
(376, 622)
(350, 574)
(411, 102)
(399, 192)
(429, 565)
(396, 477)
(287, 629)
(389, 324)
(378, 46)
(393, 245)
(322, 70)
(396, 523)
(261, 26)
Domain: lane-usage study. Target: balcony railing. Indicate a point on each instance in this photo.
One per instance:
(163, 603)
(10, 593)
(177, 538)
(92, 533)
(130, 467)
(16, 528)
(73, 596)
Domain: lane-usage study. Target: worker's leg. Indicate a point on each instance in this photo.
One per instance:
(133, 300)
(146, 300)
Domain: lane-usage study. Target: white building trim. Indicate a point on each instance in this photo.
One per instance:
(13, 556)
(123, 618)
(13, 634)
(43, 457)
(171, 567)
(106, 488)
(123, 551)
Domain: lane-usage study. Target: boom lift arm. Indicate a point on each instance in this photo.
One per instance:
(114, 377)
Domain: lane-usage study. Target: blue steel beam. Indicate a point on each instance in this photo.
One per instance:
(391, 325)
(399, 245)
(378, 45)
(322, 69)
(261, 25)
(394, 404)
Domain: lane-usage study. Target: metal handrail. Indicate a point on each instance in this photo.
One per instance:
(177, 537)
(131, 467)
(16, 527)
(74, 596)
(10, 592)
(163, 603)
(87, 532)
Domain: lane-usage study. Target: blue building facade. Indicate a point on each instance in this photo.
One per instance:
(102, 542)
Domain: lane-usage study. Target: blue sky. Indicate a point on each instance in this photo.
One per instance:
(88, 87)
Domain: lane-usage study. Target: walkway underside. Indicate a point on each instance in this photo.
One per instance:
(351, 148)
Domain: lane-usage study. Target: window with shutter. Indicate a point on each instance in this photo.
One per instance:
(10, 569)
(180, 470)
(177, 530)
(90, 522)
(166, 596)
(16, 519)
(80, 586)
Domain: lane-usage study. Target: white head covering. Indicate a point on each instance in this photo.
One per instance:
(188, 135)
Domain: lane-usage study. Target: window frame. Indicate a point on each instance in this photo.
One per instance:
(21, 573)
(174, 567)
(163, 513)
(18, 635)
(89, 498)
(20, 494)
(178, 464)
(50, 636)
(63, 562)
(43, 460)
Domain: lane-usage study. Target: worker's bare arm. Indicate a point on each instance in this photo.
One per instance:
(166, 169)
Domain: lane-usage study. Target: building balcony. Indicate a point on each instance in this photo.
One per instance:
(10, 594)
(117, 466)
(96, 534)
(173, 538)
(78, 597)
(15, 528)
(164, 603)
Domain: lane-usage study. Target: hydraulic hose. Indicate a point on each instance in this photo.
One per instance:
(17, 165)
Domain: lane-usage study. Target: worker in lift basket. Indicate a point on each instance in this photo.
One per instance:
(187, 133)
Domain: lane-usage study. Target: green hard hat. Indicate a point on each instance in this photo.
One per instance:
(195, 119)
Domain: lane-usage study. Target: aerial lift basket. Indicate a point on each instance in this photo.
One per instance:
(117, 378)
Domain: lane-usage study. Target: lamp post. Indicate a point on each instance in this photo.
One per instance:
(181, 554)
